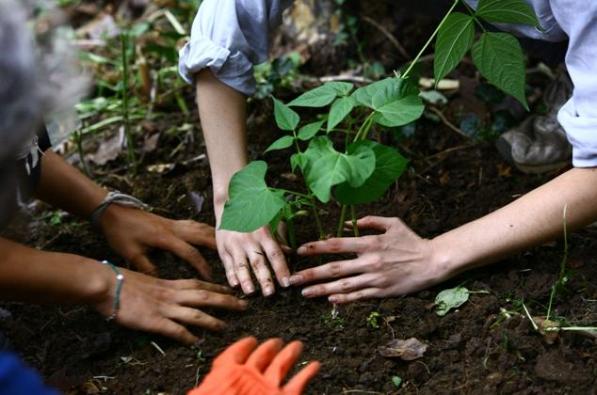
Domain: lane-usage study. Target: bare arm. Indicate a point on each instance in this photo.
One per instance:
(399, 261)
(223, 118)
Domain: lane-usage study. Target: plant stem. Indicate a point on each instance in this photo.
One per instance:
(416, 59)
(472, 13)
(353, 214)
(124, 39)
(317, 219)
(291, 233)
(560, 281)
(342, 219)
(364, 129)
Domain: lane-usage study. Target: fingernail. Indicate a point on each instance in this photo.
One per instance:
(307, 292)
(333, 299)
(294, 280)
(268, 291)
(285, 282)
(301, 250)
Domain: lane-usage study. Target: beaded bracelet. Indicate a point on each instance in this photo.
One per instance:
(118, 291)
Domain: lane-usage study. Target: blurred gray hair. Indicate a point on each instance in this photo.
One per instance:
(20, 104)
(40, 80)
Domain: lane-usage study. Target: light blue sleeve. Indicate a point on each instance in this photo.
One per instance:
(230, 37)
(578, 116)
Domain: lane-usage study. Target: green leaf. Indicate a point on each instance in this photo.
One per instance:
(281, 143)
(340, 109)
(454, 39)
(383, 91)
(341, 88)
(322, 95)
(397, 381)
(507, 11)
(400, 112)
(286, 117)
(309, 131)
(389, 165)
(499, 58)
(450, 299)
(298, 161)
(251, 203)
(327, 167)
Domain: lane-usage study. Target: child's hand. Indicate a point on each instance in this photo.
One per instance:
(132, 233)
(166, 306)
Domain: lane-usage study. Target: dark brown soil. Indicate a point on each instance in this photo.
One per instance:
(487, 346)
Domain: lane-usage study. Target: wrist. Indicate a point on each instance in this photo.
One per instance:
(98, 284)
(444, 259)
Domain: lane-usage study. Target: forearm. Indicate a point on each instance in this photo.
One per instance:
(535, 218)
(223, 119)
(63, 186)
(30, 275)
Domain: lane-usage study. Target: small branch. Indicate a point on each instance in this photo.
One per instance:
(446, 122)
(530, 318)
(389, 36)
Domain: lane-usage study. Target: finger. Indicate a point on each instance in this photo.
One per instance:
(367, 293)
(188, 253)
(144, 265)
(229, 267)
(376, 223)
(257, 261)
(265, 353)
(237, 353)
(297, 384)
(283, 362)
(203, 298)
(330, 270)
(344, 285)
(175, 331)
(337, 245)
(277, 260)
(196, 233)
(198, 284)
(194, 317)
(241, 269)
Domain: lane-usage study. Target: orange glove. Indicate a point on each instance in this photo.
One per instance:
(243, 370)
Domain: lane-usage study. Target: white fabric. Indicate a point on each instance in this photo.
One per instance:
(230, 36)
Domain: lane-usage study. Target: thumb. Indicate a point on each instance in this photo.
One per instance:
(377, 223)
(299, 382)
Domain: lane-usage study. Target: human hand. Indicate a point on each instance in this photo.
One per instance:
(243, 253)
(393, 263)
(165, 306)
(132, 233)
(243, 370)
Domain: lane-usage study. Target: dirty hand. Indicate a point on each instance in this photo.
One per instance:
(393, 263)
(165, 306)
(243, 253)
(243, 370)
(132, 233)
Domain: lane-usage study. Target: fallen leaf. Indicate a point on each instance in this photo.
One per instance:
(108, 150)
(198, 200)
(450, 299)
(151, 143)
(407, 350)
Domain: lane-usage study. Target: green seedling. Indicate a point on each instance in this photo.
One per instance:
(397, 381)
(373, 320)
(333, 152)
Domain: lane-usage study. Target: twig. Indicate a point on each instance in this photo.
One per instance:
(446, 122)
(346, 77)
(155, 345)
(529, 317)
(389, 36)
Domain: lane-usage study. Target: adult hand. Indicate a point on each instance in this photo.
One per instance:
(393, 263)
(243, 370)
(165, 306)
(132, 233)
(243, 253)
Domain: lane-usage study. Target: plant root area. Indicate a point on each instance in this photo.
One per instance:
(486, 346)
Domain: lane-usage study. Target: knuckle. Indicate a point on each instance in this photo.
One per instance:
(345, 285)
(335, 269)
(202, 295)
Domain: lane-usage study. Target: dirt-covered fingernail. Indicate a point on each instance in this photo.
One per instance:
(307, 292)
(294, 280)
(301, 250)
(285, 282)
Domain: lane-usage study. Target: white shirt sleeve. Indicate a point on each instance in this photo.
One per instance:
(578, 116)
(229, 37)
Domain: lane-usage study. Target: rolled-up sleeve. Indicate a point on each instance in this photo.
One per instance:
(578, 116)
(229, 37)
